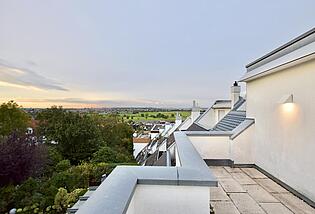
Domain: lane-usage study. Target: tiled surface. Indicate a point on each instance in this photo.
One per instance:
(248, 191)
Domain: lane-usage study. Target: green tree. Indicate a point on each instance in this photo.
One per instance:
(109, 155)
(78, 136)
(12, 118)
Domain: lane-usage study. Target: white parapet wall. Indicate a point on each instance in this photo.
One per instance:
(212, 147)
(156, 199)
(242, 147)
(156, 189)
(238, 149)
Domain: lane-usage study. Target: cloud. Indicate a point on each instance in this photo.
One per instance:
(98, 102)
(15, 76)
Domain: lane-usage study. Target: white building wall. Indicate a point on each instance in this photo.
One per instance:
(212, 117)
(137, 147)
(284, 142)
(212, 147)
(242, 146)
(208, 119)
(219, 114)
(157, 199)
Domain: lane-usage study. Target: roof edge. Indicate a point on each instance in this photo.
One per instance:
(293, 41)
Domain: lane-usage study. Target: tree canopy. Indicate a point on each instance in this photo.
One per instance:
(38, 176)
(12, 119)
(77, 136)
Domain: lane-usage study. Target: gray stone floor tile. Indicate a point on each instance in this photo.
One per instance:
(237, 194)
(295, 204)
(231, 185)
(242, 178)
(253, 173)
(232, 169)
(224, 207)
(271, 186)
(220, 172)
(218, 194)
(246, 204)
(259, 194)
(275, 208)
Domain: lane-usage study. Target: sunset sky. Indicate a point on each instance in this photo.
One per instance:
(161, 53)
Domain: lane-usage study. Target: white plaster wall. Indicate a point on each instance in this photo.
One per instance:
(208, 119)
(165, 199)
(153, 135)
(195, 115)
(284, 142)
(186, 124)
(241, 147)
(212, 147)
(137, 147)
(217, 118)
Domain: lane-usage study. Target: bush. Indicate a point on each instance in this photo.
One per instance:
(63, 199)
(20, 158)
(105, 154)
(63, 165)
(6, 198)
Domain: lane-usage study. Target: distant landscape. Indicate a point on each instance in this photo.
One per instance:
(168, 116)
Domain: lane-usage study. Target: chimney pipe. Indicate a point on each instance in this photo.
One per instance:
(235, 93)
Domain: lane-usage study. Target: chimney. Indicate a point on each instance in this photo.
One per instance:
(235, 93)
(195, 111)
(178, 119)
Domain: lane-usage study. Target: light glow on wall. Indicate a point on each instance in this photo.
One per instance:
(288, 107)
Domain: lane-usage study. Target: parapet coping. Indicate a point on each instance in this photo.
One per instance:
(115, 193)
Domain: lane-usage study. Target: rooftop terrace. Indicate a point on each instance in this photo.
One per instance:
(248, 191)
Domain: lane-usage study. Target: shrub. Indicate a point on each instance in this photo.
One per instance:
(20, 158)
(63, 199)
(63, 165)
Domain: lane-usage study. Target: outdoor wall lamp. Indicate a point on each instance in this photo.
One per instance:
(287, 103)
(286, 99)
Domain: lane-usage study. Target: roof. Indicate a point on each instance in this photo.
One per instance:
(226, 104)
(230, 121)
(218, 104)
(293, 41)
(141, 139)
(157, 127)
(196, 127)
(239, 103)
(296, 51)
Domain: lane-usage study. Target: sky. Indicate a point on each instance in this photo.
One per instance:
(157, 53)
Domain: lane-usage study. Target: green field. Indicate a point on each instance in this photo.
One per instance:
(154, 116)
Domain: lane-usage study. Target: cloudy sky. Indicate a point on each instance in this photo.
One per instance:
(161, 53)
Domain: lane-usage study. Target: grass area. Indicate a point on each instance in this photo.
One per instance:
(154, 116)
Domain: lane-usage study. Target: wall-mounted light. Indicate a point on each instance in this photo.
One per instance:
(287, 103)
(286, 99)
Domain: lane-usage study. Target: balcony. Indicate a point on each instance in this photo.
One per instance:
(182, 188)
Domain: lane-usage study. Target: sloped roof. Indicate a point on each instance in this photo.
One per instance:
(239, 103)
(221, 104)
(196, 127)
(230, 121)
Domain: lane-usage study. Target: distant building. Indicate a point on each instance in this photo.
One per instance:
(139, 142)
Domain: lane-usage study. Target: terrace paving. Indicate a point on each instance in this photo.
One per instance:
(248, 191)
